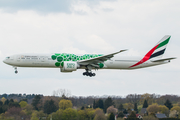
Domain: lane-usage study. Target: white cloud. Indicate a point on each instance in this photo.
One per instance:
(132, 52)
(73, 50)
(96, 42)
(1, 55)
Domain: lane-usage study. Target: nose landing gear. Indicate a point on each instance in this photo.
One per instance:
(16, 70)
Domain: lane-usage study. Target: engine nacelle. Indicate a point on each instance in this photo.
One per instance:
(69, 66)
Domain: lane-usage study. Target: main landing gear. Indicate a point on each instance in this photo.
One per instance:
(87, 73)
(16, 70)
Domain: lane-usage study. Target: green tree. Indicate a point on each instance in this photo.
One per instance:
(69, 114)
(37, 115)
(177, 108)
(128, 105)
(82, 114)
(49, 106)
(152, 109)
(28, 109)
(99, 115)
(1, 110)
(129, 110)
(94, 104)
(11, 100)
(145, 104)
(64, 104)
(5, 108)
(56, 115)
(152, 114)
(90, 113)
(6, 102)
(24, 99)
(135, 107)
(163, 109)
(3, 99)
(125, 111)
(34, 116)
(100, 104)
(120, 114)
(132, 115)
(36, 103)
(14, 104)
(121, 108)
(168, 104)
(82, 108)
(111, 116)
(23, 104)
(108, 102)
(1, 103)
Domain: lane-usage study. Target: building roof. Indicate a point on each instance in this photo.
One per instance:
(138, 115)
(161, 116)
(143, 111)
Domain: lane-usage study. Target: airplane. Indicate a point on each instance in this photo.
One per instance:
(71, 62)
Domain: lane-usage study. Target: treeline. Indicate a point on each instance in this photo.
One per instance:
(62, 106)
(131, 98)
(80, 100)
(18, 97)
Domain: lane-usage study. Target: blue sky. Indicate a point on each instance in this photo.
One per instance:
(45, 6)
(89, 26)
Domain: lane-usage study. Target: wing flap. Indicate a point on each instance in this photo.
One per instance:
(161, 60)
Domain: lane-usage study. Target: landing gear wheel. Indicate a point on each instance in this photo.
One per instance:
(85, 73)
(16, 70)
(89, 73)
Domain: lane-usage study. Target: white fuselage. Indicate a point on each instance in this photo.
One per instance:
(45, 60)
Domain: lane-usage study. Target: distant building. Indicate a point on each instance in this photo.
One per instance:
(126, 115)
(143, 111)
(139, 116)
(161, 116)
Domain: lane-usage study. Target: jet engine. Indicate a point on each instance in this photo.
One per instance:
(69, 66)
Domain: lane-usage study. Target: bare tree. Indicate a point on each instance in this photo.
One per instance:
(62, 93)
(133, 98)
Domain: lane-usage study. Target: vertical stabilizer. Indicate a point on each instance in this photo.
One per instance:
(157, 51)
(160, 47)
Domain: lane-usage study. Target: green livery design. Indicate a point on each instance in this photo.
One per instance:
(60, 58)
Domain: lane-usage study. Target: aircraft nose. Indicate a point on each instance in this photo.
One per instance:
(4, 61)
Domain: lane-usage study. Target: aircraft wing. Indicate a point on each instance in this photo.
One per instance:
(161, 60)
(94, 61)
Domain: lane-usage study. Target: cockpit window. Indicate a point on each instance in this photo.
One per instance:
(7, 57)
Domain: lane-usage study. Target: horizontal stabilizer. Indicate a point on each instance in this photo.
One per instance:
(161, 60)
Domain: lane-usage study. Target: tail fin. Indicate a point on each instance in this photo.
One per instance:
(159, 49)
